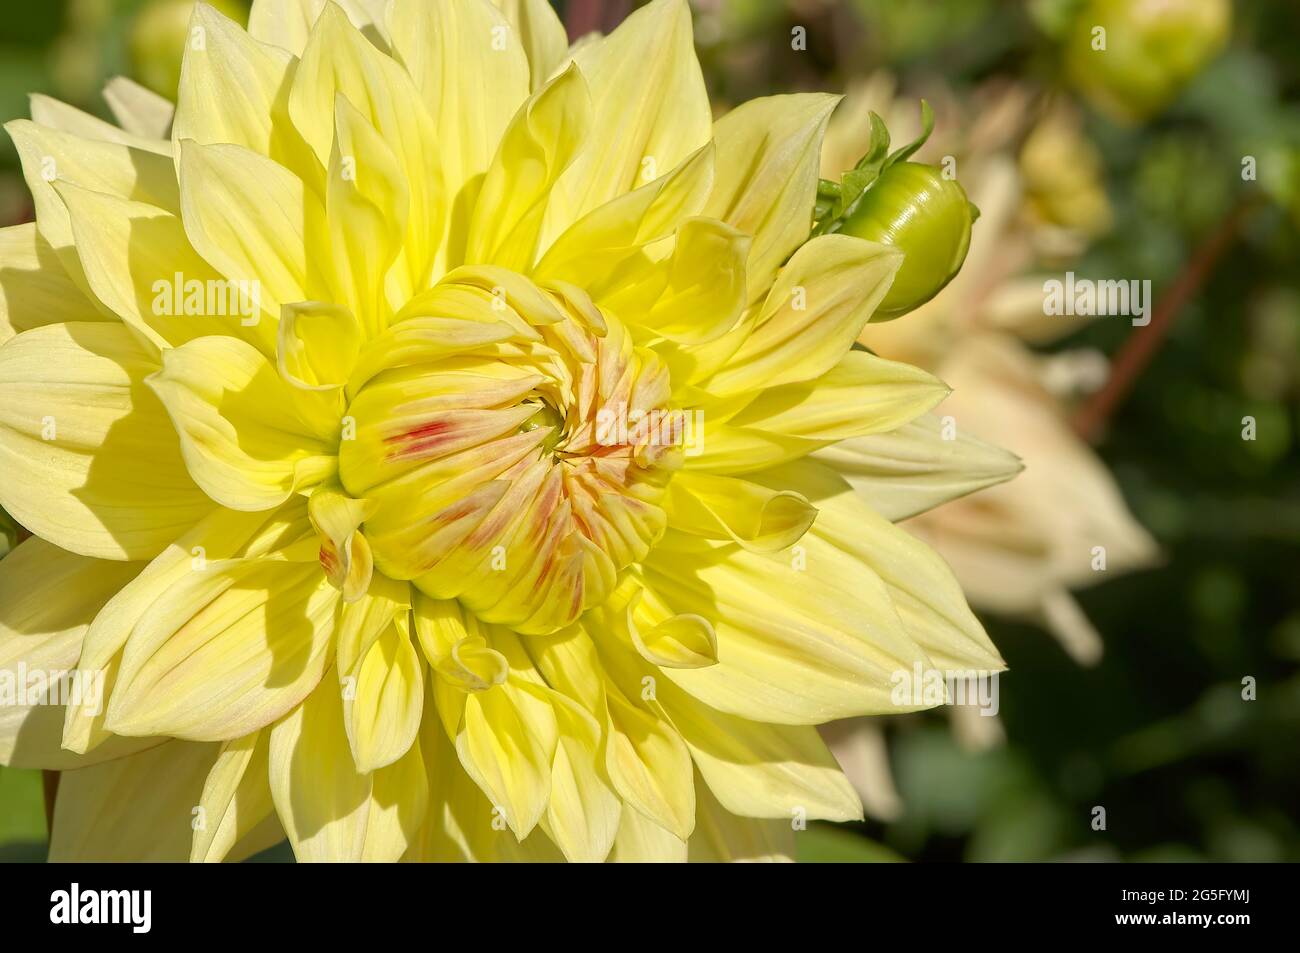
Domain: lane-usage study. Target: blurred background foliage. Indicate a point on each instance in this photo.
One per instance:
(1157, 733)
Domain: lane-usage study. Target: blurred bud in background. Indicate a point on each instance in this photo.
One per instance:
(76, 59)
(1062, 175)
(1131, 58)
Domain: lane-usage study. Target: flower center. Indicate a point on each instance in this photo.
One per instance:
(517, 476)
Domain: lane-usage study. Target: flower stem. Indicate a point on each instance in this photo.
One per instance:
(585, 16)
(1091, 418)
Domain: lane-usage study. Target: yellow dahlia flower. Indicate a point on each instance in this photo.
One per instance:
(416, 447)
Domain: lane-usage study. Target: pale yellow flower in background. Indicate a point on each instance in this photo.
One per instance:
(481, 522)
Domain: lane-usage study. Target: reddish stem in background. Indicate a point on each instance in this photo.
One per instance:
(1141, 347)
(583, 16)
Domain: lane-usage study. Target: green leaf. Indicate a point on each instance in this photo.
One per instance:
(826, 844)
(22, 807)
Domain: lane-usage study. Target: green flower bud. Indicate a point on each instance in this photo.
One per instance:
(1131, 58)
(914, 208)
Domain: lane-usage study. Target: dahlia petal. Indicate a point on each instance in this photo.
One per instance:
(691, 364)
(52, 157)
(236, 798)
(762, 770)
(368, 204)
(55, 114)
(138, 261)
(649, 765)
(382, 711)
(253, 220)
(505, 292)
(344, 553)
(100, 165)
(318, 345)
(136, 809)
(399, 796)
(568, 660)
(766, 183)
(284, 23)
(824, 648)
(695, 295)
(339, 61)
(34, 288)
(331, 811)
(472, 75)
(680, 641)
(234, 89)
(139, 110)
(458, 821)
(542, 34)
(322, 800)
(362, 622)
(75, 422)
(589, 250)
(928, 598)
(813, 314)
(725, 449)
(458, 655)
(722, 837)
(862, 394)
(917, 467)
(506, 743)
(540, 143)
(47, 599)
(249, 438)
(416, 340)
(225, 651)
(582, 816)
(461, 824)
(755, 769)
(287, 23)
(220, 535)
(642, 841)
(1062, 616)
(651, 108)
(722, 507)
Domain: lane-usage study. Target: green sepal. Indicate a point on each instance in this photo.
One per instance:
(835, 202)
(907, 151)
